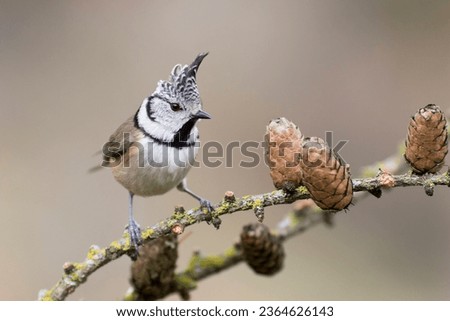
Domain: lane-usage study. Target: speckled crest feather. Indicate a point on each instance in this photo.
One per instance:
(182, 84)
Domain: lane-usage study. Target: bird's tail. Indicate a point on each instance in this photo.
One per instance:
(95, 168)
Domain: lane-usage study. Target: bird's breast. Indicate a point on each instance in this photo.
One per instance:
(150, 168)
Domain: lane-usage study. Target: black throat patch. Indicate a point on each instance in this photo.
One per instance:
(180, 138)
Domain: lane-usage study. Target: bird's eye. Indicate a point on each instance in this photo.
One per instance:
(175, 107)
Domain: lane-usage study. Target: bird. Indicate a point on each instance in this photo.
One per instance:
(153, 150)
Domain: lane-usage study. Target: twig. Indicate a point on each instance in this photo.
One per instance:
(77, 273)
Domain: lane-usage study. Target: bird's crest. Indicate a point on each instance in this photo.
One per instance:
(182, 84)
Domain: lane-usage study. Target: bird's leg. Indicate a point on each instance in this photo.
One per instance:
(203, 202)
(133, 227)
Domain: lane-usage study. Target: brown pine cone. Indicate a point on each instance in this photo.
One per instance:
(325, 175)
(262, 250)
(426, 142)
(283, 145)
(153, 273)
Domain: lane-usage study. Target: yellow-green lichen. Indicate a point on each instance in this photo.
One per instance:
(212, 261)
(147, 233)
(191, 219)
(223, 208)
(444, 179)
(171, 222)
(447, 176)
(293, 219)
(79, 266)
(193, 263)
(93, 253)
(302, 190)
(178, 216)
(47, 296)
(184, 281)
(230, 252)
(75, 275)
(115, 245)
(258, 203)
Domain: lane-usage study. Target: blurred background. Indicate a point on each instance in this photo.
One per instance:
(72, 71)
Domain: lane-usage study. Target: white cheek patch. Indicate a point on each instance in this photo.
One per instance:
(151, 127)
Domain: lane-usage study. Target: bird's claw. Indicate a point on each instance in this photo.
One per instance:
(205, 204)
(135, 235)
(213, 217)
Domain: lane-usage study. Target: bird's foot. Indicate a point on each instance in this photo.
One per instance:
(214, 218)
(205, 204)
(135, 237)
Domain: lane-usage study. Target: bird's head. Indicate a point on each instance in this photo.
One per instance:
(175, 105)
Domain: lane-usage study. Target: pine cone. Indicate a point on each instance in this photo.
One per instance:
(153, 273)
(283, 145)
(262, 250)
(426, 143)
(325, 175)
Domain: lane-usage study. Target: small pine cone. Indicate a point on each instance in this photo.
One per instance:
(262, 250)
(153, 273)
(325, 175)
(283, 145)
(426, 143)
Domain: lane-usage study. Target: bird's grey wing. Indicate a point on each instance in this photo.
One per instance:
(120, 141)
(118, 144)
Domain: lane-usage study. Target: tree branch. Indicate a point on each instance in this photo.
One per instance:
(200, 267)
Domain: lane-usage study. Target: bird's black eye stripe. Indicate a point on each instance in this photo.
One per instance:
(149, 111)
(175, 107)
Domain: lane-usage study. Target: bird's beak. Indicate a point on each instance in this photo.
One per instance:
(201, 114)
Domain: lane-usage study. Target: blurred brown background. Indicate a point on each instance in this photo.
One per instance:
(72, 71)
